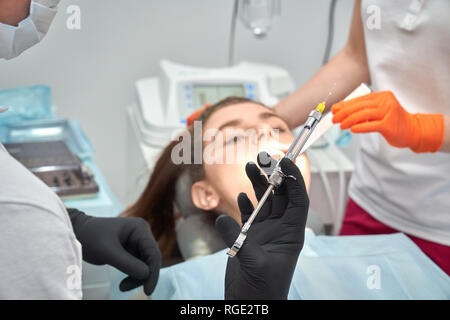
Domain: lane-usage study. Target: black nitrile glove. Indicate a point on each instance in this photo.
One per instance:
(124, 243)
(265, 264)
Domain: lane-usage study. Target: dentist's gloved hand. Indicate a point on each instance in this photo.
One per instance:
(265, 264)
(124, 243)
(381, 112)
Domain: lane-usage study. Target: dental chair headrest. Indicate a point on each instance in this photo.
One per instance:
(183, 198)
(196, 235)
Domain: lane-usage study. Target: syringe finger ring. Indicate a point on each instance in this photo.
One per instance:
(291, 177)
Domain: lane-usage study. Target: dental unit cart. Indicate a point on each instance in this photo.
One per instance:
(57, 166)
(58, 152)
(164, 102)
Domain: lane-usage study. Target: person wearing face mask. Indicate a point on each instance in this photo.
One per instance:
(40, 239)
(24, 23)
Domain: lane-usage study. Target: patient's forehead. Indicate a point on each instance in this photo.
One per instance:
(247, 112)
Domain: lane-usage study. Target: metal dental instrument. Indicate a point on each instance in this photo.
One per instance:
(277, 176)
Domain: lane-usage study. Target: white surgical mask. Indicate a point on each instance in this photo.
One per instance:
(30, 31)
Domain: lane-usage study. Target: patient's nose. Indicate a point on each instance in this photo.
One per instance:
(266, 131)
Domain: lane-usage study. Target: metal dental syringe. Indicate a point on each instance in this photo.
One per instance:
(277, 176)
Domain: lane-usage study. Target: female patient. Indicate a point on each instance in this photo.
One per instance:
(340, 262)
(182, 201)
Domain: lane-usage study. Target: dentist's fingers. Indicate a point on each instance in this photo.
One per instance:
(260, 185)
(372, 126)
(361, 116)
(280, 201)
(251, 254)
(258, 180)
(268, 164)
(245, 206)
(295, 185)
(228, 229)
(350, 109)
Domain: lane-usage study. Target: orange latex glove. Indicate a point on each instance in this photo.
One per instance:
(381, 112)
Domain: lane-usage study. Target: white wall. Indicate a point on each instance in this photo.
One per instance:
(92, 70)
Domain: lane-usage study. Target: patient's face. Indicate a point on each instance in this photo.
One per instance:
(243, 130)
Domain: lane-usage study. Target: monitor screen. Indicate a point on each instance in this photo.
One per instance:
(204, 94)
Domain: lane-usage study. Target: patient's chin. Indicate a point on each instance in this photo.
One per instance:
(237, 217)
(301, 162)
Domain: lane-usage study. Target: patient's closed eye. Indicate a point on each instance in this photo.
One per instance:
(280, 129)
(235, 139)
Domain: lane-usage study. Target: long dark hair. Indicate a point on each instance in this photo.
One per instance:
(157, 203)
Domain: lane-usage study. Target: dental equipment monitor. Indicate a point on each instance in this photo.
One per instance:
(165, 101)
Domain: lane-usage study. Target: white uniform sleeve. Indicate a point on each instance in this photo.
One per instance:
(40, 257)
